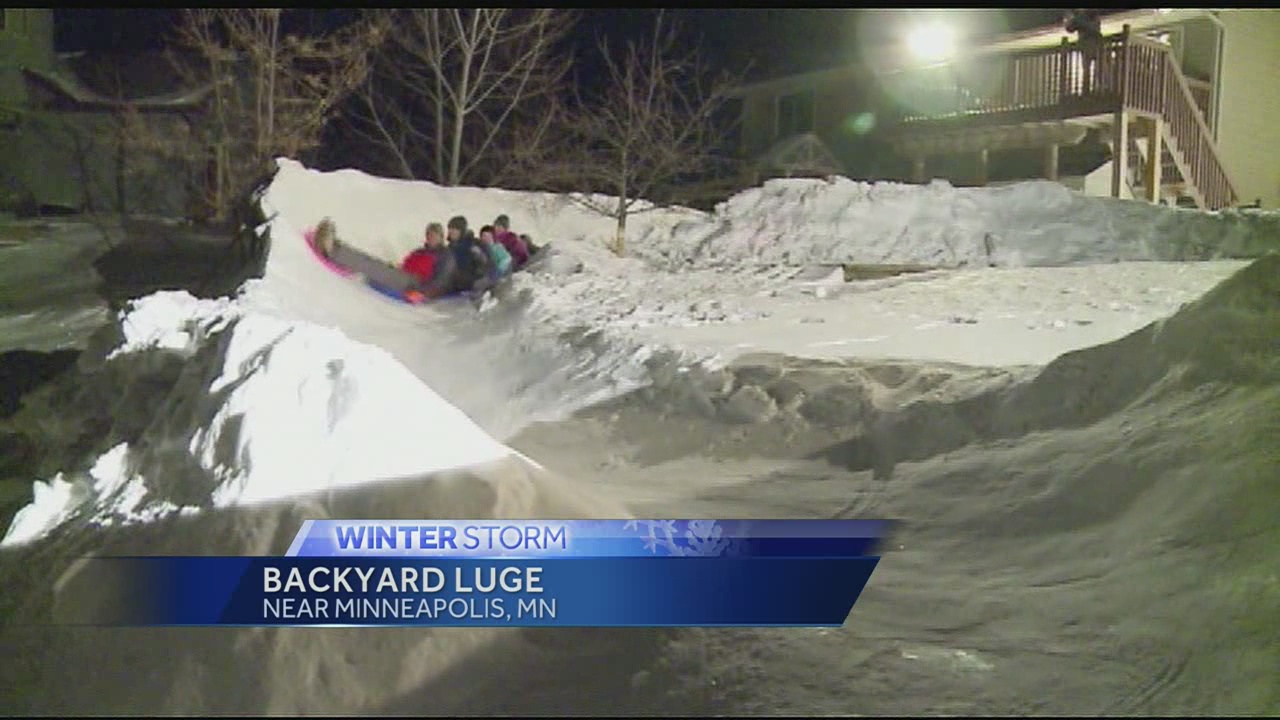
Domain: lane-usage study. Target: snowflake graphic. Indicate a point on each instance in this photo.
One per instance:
(685, 538)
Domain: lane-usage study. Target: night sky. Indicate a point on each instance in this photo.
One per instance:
(772, 41)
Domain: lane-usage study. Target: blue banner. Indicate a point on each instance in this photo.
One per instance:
(487, 573)
(613, 592)
(587, 538)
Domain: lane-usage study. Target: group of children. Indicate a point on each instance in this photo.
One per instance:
(452, 261)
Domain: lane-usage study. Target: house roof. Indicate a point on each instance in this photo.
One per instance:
(813, 77)
(81, 95)
(1112, 23)
(804, 153)
(891, 57)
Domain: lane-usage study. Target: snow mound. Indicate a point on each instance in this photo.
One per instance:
(260, 409)
(803, 221)
(742, 273)
(110, 495)
(212, 409)
(738, 266)
(1226, 338)
(172, 321)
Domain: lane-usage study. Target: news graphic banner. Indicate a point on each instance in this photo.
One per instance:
(573, 573)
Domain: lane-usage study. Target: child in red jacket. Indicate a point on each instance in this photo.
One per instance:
(432, 263)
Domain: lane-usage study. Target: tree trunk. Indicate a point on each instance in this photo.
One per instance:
(81, 152)
(224, 172)
(214, 195)
(461, 97)
(433, 45)
(272, 62)
(121, 168)
(459, 118)
(620, 239)
(440, 177)
(624, 187)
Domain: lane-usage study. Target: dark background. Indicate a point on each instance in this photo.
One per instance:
(754, 43)
(770, 41)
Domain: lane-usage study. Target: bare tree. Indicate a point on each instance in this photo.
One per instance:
(273, 92)
(651, 128)
(456, 90)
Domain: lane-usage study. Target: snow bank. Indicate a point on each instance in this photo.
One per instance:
(215, 407)
(754, 245)
(266, 408)
(743, 274)
(801, 221)
(111, 494)
(794, 222)
(172, 321)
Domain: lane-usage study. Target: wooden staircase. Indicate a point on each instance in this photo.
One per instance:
(1155, 87)
(1173, 184)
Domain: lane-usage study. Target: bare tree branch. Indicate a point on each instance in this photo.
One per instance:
(487, 74)
(273, 93)
(650, 128)
(380, 132)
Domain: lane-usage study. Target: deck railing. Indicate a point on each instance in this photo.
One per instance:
(1158, 87)
(1203, 93)
(1072, 80)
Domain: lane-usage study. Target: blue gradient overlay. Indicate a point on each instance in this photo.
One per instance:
(578, 592)
(513, 539)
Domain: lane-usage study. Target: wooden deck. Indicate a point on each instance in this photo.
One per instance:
(1104, 83)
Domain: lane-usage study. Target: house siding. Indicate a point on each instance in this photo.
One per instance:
(27, 38)
(837, 99)
(25, 41)
(54, 152)
(757, 123)
(1247, 130)
(77, 167)
(1249, 134)
(1199, 48)
(837, 102)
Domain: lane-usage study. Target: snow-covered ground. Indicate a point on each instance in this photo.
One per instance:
(309, 396)
(779, 291)
(308, 381)
(47, 299)
(990, 317)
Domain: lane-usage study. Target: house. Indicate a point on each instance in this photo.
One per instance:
(68, 146)
(1192, 88)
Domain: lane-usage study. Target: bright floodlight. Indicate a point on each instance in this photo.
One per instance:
(932, 42)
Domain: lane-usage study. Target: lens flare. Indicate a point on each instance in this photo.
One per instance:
(932, 42)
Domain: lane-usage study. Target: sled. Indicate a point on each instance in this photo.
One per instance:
(410, 297)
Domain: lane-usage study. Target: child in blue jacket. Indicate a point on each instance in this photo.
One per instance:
(499, 260)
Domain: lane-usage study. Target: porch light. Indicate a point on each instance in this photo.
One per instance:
(932, 43)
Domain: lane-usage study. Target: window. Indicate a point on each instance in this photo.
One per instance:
(795, 114)
(4, 16)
